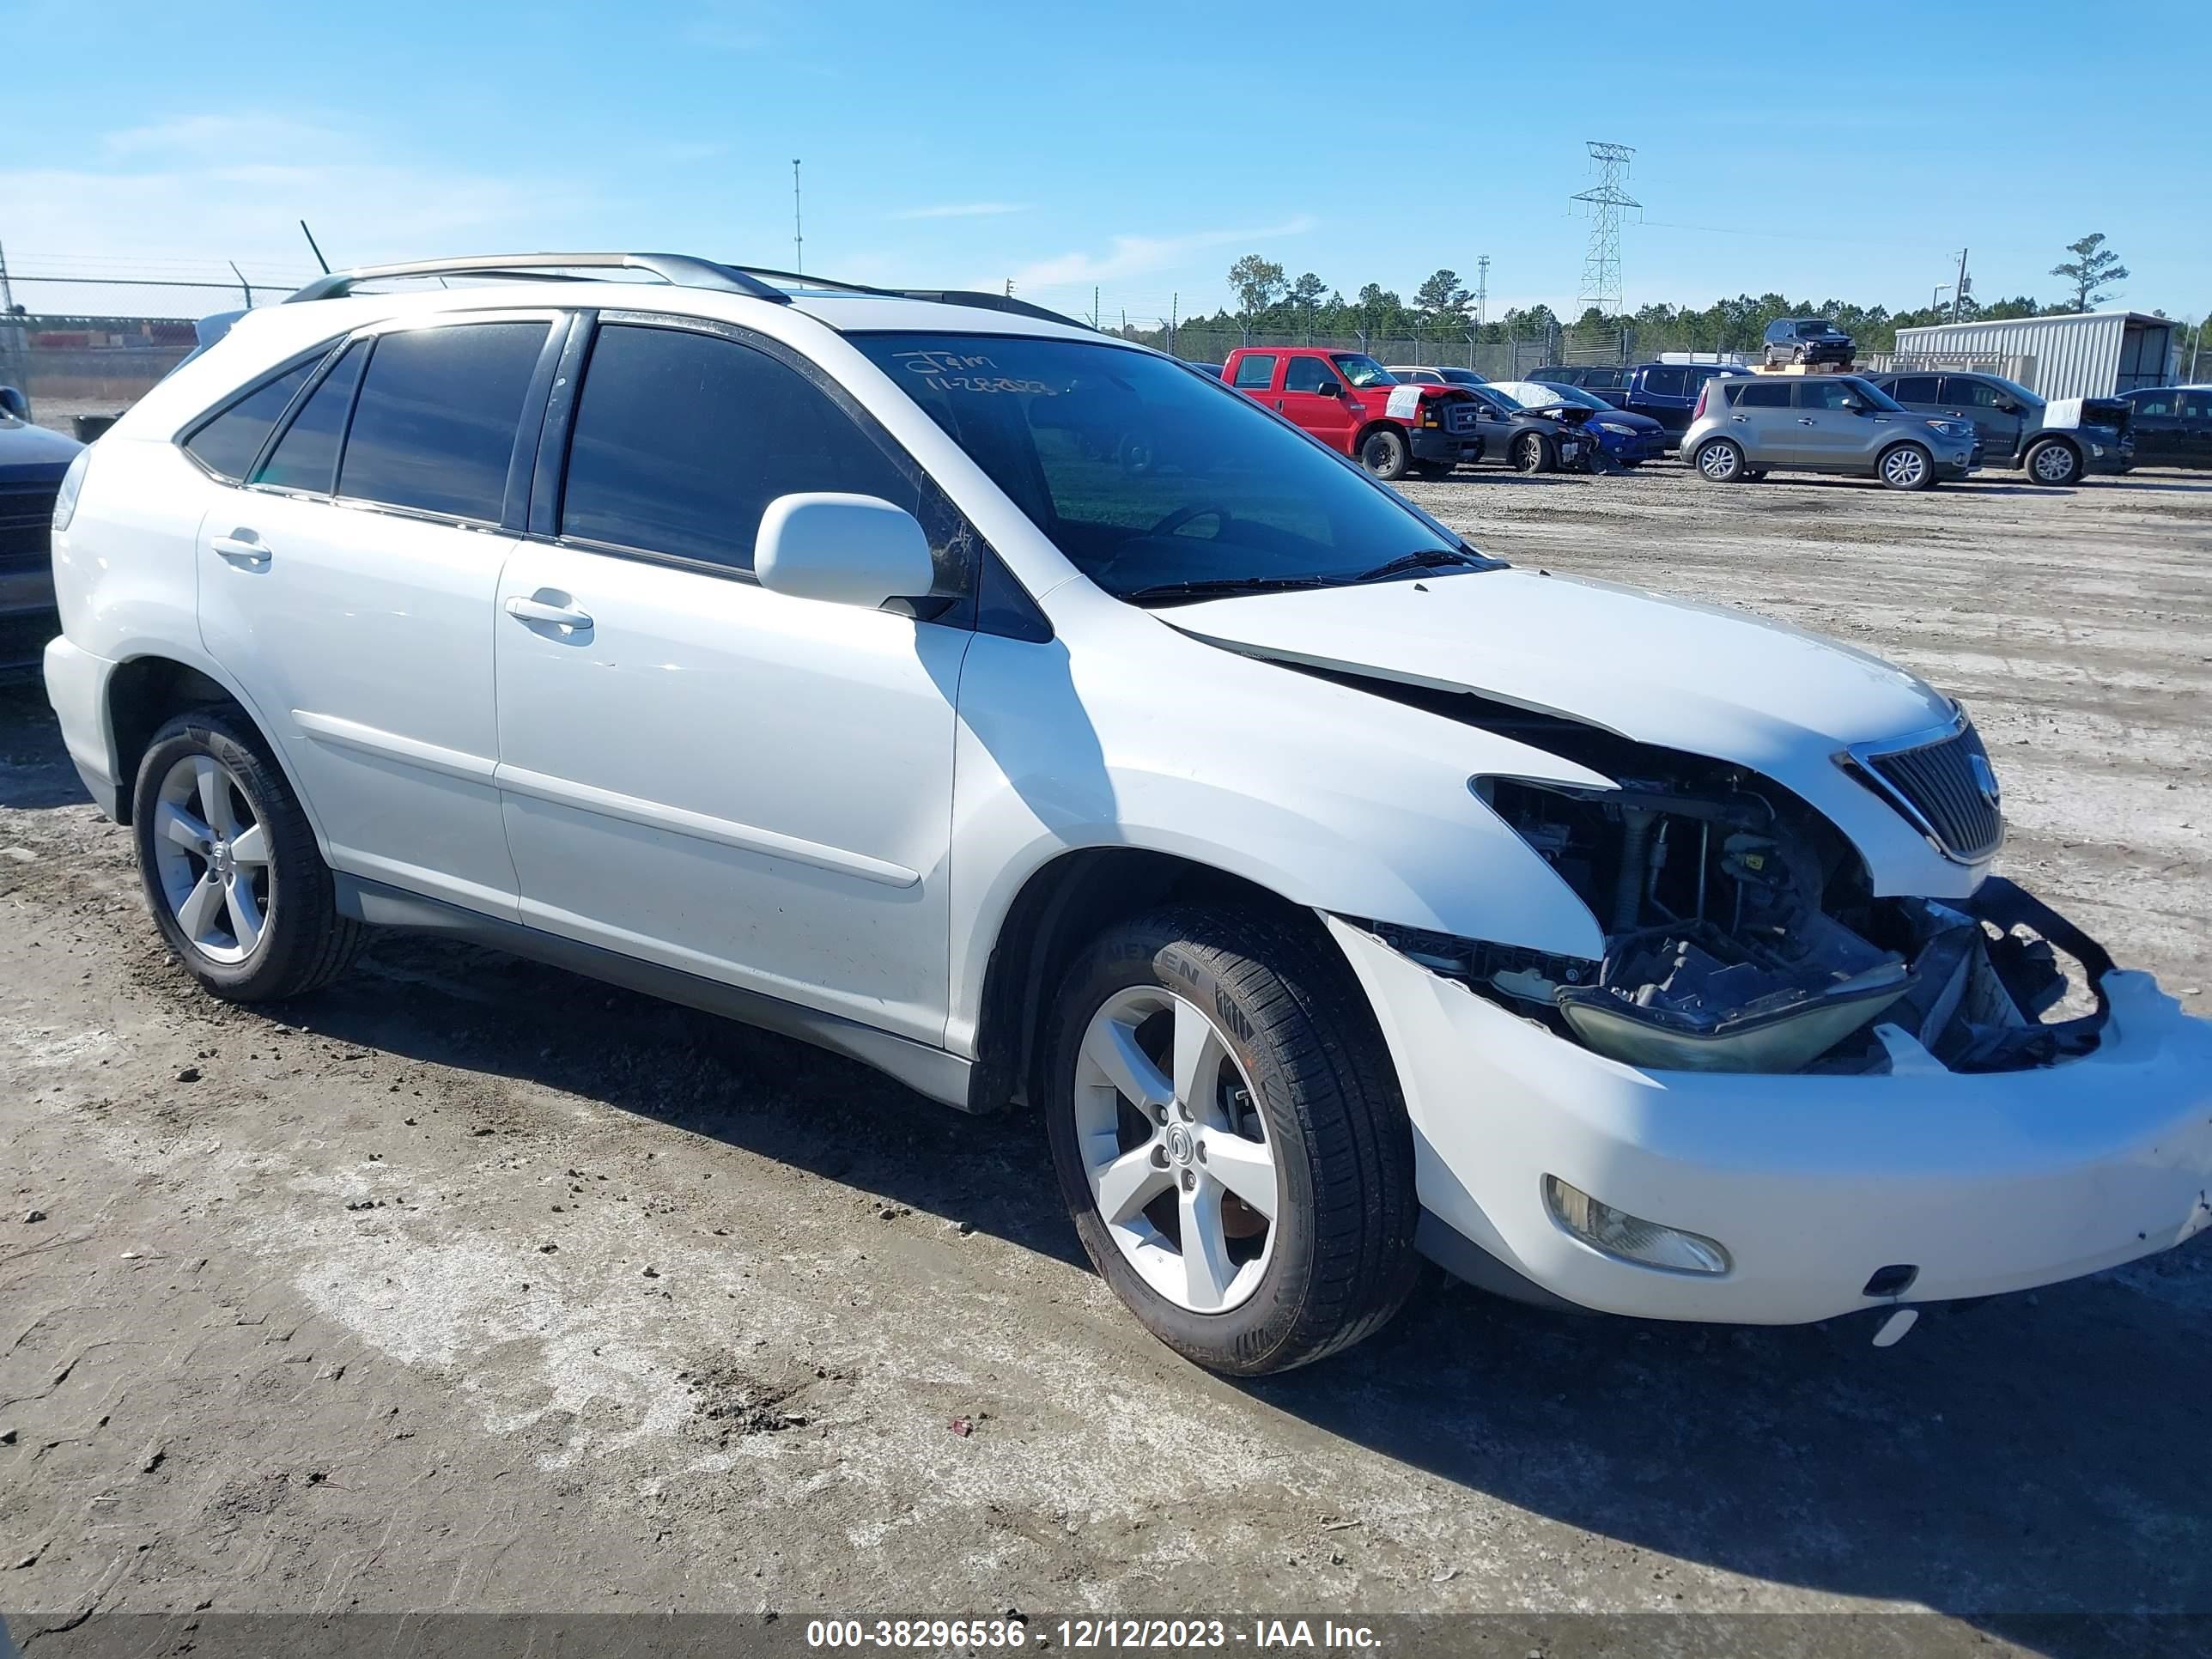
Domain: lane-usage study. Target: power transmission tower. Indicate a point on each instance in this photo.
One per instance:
(1482, 287)
(798, 240)
(1605, 200)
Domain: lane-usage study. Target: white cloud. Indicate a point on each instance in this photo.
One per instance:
(1135, 255)
(963, 210)
(173, 198)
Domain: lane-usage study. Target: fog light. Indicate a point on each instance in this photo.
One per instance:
(1632, 1238)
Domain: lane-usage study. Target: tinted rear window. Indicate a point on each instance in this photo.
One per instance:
(434, 426)
(1914, 389)
(1760, 394)
(306, 456)
(1255, 373)
(228, 444)
(1667, 382)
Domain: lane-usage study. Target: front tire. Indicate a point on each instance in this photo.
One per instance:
(1384, 452)
(237, 885)
(1907, 466)
(1721, 460)
(1229, 1136)
(2053, 462)
(1531, 452)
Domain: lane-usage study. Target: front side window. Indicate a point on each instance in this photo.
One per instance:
(227, 444)
(434, 424)
(1307, 375)
(1149, 478)
(1605, 379)
(1966, 393)
(1255, 373)
(681, 440)
(306, 456)
(1667, 382)
(1363, 371)
(1822, 394)
(2154, 403)
(2196, 405)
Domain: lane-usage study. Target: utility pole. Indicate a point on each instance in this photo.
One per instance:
(1481, 290)
(1958, 294)
(1602, 264)
(798, 233)
(7, 293)
(1175, 314)
(1094, 305)
(1010, 288)
(1935, 300)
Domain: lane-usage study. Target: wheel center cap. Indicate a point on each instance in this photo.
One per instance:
(1181, 1145)
(219, 857)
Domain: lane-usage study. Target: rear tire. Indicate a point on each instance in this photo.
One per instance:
(1287, 1093)
(238, 888)
(1384, 453)
(1720, 461)
(2053, 462)
(1906, 466)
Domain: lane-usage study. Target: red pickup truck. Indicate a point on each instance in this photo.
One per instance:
(1352, 404)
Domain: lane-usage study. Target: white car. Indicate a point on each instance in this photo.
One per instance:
(1339, 895)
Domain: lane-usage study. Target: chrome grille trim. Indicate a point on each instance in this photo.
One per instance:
(1943, 787)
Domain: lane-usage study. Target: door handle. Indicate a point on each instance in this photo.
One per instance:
(1805, 420)
(1741, 420)
(538, 611)
(1279, 405)
(242, 547)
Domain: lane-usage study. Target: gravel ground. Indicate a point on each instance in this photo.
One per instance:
(469, 1286)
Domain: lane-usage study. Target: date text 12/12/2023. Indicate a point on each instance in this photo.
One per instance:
(1087, 1635)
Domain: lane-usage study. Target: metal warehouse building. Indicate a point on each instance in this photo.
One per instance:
(2091, 354)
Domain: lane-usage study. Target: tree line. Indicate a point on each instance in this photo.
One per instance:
(1272, 305)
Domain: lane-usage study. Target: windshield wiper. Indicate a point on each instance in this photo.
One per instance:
(1201, 587)
(1428, 558)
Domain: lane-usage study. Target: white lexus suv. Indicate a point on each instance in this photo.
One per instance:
(1034, 717)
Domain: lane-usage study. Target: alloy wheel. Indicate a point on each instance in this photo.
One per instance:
(2054, 464)
(1719, 462)
(1904, 467)
(1176, 1150)
(211, 854)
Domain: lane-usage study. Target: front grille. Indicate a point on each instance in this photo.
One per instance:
(1948, 791)
(1462, 417)
(27, 517)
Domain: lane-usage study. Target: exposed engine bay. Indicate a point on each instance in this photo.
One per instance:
(1741, 935)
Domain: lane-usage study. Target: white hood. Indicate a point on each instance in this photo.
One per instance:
(1692, 677)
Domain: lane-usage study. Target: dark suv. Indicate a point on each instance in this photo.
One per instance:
(1668, 392)
(2056, 442)
(33, 463)
(1807, 340)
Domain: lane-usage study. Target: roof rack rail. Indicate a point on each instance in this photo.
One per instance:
(983, 300)
(680, 269)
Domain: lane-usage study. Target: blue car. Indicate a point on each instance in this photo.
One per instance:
(1624, 437)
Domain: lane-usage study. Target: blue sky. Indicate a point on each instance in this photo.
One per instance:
(1139, 148)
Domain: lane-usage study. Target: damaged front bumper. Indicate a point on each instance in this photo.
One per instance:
(1819, 1187)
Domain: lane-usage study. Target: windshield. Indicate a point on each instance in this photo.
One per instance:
(1814, 326)
(1362, 372)
(1534, 394)
(1147, 474)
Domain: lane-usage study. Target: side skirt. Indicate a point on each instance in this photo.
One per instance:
(932, 1071)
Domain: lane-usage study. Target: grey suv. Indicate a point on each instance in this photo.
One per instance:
(1746, 427)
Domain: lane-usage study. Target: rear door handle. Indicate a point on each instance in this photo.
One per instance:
(538, 611)
(1806, 419)
(242, 547)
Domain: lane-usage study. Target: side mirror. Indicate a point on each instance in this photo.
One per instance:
(2007, 406)
(1852, 404)
(1330, 389)
(842, 549)
(12, 401)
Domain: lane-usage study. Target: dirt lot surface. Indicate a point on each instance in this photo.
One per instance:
(468, 1285)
